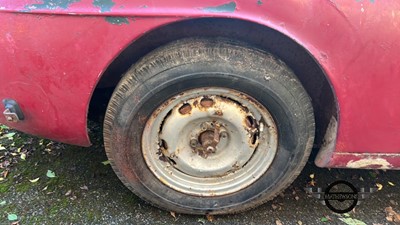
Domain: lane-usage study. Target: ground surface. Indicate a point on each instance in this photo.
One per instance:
(75, 187)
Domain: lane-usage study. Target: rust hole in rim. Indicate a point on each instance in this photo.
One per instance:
(163, 144)
(249, 121)
(206, 102)
(185, 109)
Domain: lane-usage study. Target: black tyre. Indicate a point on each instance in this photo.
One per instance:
(208, 126)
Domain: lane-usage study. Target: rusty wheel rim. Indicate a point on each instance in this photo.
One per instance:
(209, 141)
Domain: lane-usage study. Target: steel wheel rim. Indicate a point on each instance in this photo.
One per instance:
(236, 137)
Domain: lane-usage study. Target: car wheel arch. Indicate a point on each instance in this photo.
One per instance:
(298, 58)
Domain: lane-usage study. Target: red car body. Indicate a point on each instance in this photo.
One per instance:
(53, 54)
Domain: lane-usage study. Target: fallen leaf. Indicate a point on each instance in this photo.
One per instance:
(201, 221)
(84, 187)
(107, 162)
(297, 198)
(351, 221)
(299, 222)
(312, 183)
(34, 180)
(210, 218)
(393, 202)
(9, 136)
(23, 156)
(14, 154)
(68, 193)
(2, 203)
(274, 207)
(312, 176)
(50, 174)
(379, 186)
(1, 179)
(278, 222)
(391, 184)
(5, 174)
(324, 219)
(173, 214)
(391, 215)
(346, 215)
(45, 188)
(2, 148)
(12, 217)
(361, 179)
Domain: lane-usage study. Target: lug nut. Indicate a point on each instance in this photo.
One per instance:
(210, 149)
(193, 142)
(224, 134)
(203, 126)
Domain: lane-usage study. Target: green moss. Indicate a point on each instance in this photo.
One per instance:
(6, 184)
(4, 188)
(23, 187)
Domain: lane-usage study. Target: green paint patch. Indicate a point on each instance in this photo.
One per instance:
(52, 4)
(104, 5)
(117, 20)
(259, 2)
(225, 8)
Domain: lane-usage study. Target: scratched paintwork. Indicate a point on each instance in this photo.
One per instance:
(52, 4)
(225, 8)
(104, 5)
(354, 42)
(117, 20)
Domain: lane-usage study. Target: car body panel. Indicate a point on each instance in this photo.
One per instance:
(53, 73)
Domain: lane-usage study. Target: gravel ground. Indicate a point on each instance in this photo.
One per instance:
(85, 191)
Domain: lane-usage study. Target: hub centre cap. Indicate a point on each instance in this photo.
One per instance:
(209, 141)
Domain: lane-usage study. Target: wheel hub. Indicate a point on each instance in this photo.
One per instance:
(207, 141)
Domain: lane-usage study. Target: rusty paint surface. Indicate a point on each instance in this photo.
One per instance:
(355, 42)
(373, 163)
(365, 161)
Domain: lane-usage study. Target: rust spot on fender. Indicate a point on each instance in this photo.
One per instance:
(373, 163)
(225, 8)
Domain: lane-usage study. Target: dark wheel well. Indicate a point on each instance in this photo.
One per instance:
(295, 56)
